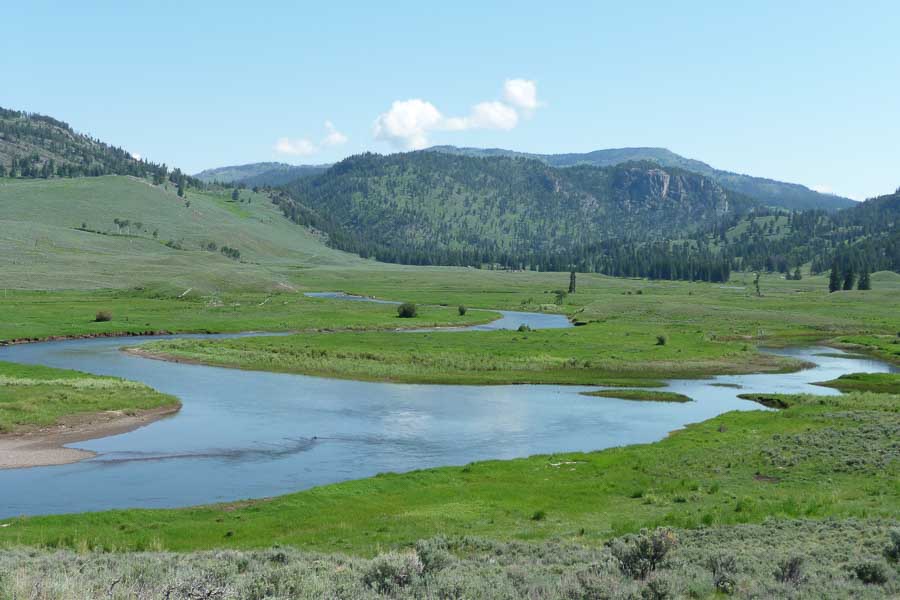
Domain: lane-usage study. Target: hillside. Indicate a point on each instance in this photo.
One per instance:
(436, 208)
(33, 145)
(770, 192)
(111, 231)
(260, 174)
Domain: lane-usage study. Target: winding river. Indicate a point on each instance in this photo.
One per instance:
(246, 434)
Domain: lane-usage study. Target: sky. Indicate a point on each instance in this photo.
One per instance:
(806, 92)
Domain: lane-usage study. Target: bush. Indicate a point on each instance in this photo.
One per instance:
(523, 328)
(462, 310)
(661, 340)
(723, 569)
(103, 316)
(433, 554)
(892, 552)
(391, 571)
(639, 555)
(407, 310)
(871, 573)
(539, 515)
(790, 571)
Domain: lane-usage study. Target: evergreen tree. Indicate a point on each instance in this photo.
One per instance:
(834, 280)
(572, 282)
(797, 275)
(849, 278)
(235, 195)
(864, 282)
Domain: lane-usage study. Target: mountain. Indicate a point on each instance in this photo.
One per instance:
(768, 191)
(260, 174)
(439, 208)
(33, 145)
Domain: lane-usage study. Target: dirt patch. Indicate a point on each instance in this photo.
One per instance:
(45, 446)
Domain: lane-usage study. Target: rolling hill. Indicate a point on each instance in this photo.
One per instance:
(260, 174)
(114, 232)
(768, 191)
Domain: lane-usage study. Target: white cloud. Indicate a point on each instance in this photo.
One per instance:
(296, 147)
(333, 137)
(135, 156)
(306, 147)
(822, 189)
(521, 93)
(408, 123)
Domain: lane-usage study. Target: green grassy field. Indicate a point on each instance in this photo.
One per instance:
(824, 456)
(35, 396)
(886, 383)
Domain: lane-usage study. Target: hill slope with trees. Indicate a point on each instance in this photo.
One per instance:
(768, 191)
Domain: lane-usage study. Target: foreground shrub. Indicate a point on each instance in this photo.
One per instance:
(462, 310)
(892, 552)
(407, 310)
(641, 554)
(103, 316)
(871, 573)
(790, 571)
(723, 569)
(433, 554)
(392, 571)
(661, 340)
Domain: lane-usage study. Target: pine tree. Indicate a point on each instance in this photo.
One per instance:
(864, 282)
(849, 278)
(572, 282)
(834, 281)
(797, 275)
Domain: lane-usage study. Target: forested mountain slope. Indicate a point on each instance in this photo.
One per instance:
(770, 192)
(436, 208)
(33, 145)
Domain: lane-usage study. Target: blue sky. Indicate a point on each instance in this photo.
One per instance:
(799, 91)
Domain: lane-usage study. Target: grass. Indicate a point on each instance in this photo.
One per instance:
(585, 355)
(35, 396)
(886, 383)
(821, 457)
(644, 395)
(796, 558)
(39, 314)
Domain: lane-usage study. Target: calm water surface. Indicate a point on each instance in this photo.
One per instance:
(246, 434)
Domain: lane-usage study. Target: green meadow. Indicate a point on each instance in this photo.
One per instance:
(36, 396)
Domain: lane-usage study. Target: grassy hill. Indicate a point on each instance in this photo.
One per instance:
(114, 231)
(768, 191)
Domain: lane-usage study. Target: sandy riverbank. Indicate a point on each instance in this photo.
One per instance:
(46, 446)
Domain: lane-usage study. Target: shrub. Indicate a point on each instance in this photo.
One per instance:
(523, 328)
(462, 310)
(790, 571)
(723, 569)
(661, 340)
(103, 316)
(391, 571)
(871, 573)
(407, 310)
(539, 515)
(892, 552)
(639, 555)
(433, 554)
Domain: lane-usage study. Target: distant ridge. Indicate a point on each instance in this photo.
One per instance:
(262, 173)
(768, 191)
